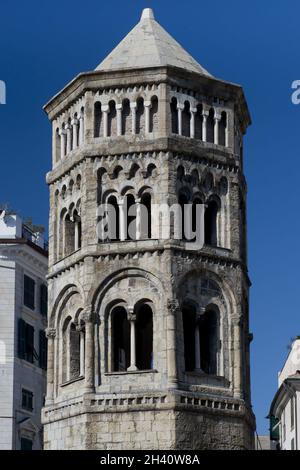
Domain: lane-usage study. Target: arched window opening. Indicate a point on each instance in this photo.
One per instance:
(140, 116)
(74, 352)
(182, 201)
(65, 350)
(154, 115)
(78, 182)
(196, 223)
(180, 173)
(222, 129)
(126, 117)
(144, 338)
(186, 119)
(210, 126)
(209, 342)
(189, 325)
(69, 235)
(112, 119)
(113, 219)
(174, 116)
(210, 223)
(146, 216)
(131, 217)
(198, 122)
(120, 340)
(57, 145)
(97, 119)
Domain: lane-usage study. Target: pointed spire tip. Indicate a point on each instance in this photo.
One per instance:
(147, 14)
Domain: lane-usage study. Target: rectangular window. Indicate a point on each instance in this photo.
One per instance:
(43, 299)
(26, 444)
(25, 341)
(27, 400)
(292, 412)
(29, 290)
(43, 350)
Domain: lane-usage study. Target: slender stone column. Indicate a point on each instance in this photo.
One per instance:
(173, 313)
(133, 117)
(81, 129)
(89, 367)
(62, 134)
(69, 137)
(147, 105)
(75, 123)
(138, 219)
(76, 235)
(50, 333)
(81, 333)
(227, 132)
(204, 125)
(132, 320)
(123, 219)
(216, 128)
(180, 108)
(192, 122)
(105, 110)
(119, 108)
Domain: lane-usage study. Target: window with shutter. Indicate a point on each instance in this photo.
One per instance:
(43, 350)
(29, 289)
(27, 400)
(29, 343)
(21, 339)
(43, 299)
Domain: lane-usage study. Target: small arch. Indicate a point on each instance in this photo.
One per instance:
(116, 172)
(130, 208)
(133, 170)
(120, 329)
(144, 337)
(112, 119)
(198, 122)
(113, 218)
(125, 116)
(97, 119)
(146, 216)
(57, 145)
(183, 199)
(210, 126)
(174, 116)
(186, 119)
(78, 182)
(209, 341)
(210, 223)
(222, 128)
(153, 125)
(140, 116)
(151, 170)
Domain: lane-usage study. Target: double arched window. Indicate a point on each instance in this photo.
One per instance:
(131, 337)
(201, 339)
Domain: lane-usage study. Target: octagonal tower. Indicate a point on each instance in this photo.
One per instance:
(148, 339)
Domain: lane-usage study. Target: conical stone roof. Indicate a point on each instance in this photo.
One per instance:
(149, 45)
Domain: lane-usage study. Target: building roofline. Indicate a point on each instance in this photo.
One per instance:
(83, 80)
(23, 241)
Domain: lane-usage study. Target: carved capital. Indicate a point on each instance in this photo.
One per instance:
(130, 313)
(50, 333)
(173, 305)
(88, 314)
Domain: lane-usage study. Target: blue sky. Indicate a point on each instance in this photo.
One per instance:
(43, 45)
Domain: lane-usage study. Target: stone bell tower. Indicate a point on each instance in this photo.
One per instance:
(148, 339)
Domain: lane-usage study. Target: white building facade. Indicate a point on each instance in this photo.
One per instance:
(285, 408)
(23, 344)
